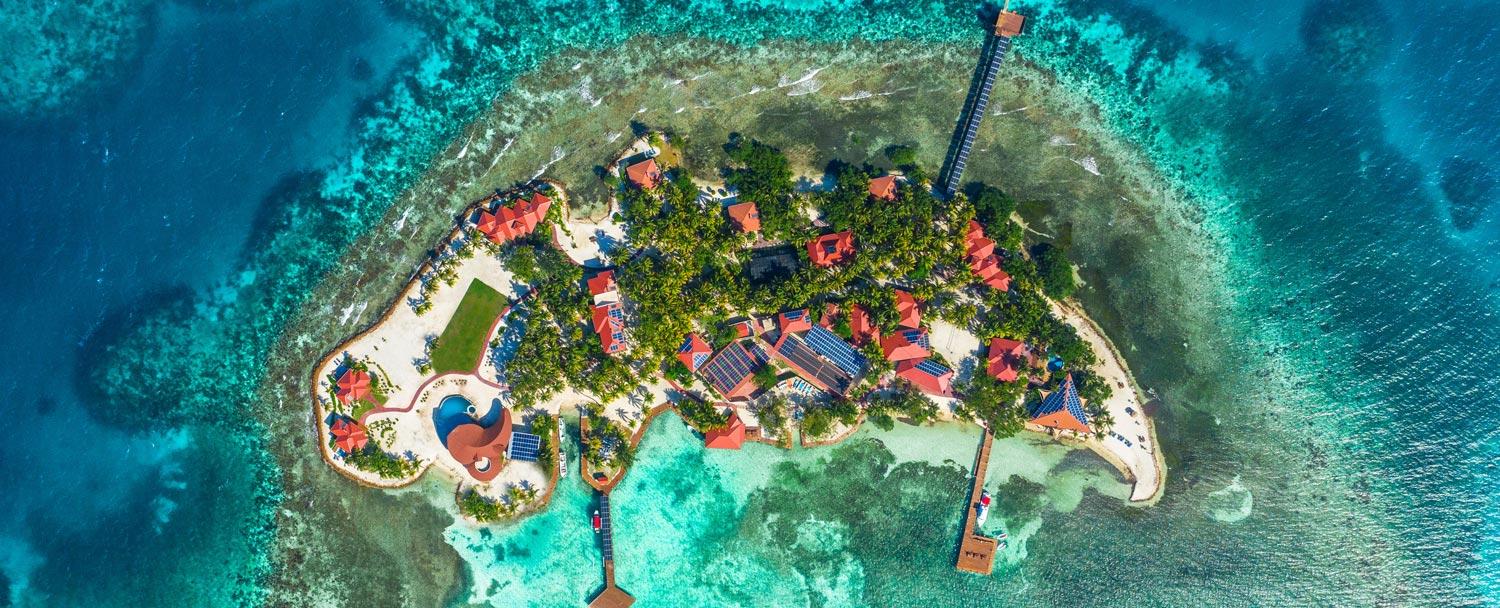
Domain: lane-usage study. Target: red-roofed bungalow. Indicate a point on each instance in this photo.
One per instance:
(729, 437)
(515, 220)
(793, 321)
(353, 385)
(349, 435)
(1005, 359)
(609, 323)
(1062, 410)
(927, 375)
(831, 249)
(861, 327)
(983, 260)
(481, 449)
(743, 328)
(830, 314)
(693, 352)
(883, 188)
(645, 174)
(906, 309)
(906, 344)
(745, 216)
(603, 288)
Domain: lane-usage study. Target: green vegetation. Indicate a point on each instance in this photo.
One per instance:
(543, 425)
(463, 340)
(995, 403)
(377, 461)
(761, 174)
(818, 420)
(773, 415)
(1056, 272)
(905, 401)
(608, 444)
(702, 415)
(485, 510)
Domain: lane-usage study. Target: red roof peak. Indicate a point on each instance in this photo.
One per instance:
(745, 216)
(906, 309)
(883, 187)
(645, 174)
(831, 249)
(729, 437)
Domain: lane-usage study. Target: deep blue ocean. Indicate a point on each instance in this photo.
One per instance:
(1361, 159)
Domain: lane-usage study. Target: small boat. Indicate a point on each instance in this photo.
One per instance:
(598, 523)
(984, 509)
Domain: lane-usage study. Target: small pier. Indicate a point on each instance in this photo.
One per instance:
(976, 553)
(1007, 26)
(611, 596)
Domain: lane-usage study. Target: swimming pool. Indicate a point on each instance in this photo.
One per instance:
(454, 410)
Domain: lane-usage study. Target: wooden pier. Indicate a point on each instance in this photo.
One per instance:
(611, 596)
(1008, 25)
(976, 553)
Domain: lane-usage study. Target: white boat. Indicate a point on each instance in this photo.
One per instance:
(984, 509)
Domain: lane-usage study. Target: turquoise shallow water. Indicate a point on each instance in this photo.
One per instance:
(1331, 426)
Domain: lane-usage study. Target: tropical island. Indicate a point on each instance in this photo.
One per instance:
(764, 306)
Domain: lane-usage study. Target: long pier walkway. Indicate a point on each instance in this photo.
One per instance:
(612, 596)
(976, 553)
(1007, 26)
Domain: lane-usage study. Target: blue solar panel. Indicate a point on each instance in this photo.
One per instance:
(824, 343)
(687, 345)
(932, 368)
(795, 314)
(732, 365)
(524, 446)
(1066, 396)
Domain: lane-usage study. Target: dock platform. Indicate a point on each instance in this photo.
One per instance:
(611, 596)
(976, 553)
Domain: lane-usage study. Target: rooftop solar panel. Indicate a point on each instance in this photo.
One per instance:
(524, 446)
(836, 350)
(932, 368)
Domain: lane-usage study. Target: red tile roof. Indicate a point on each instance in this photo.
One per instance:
(905, 344)
(831, 249)
(883, 188)
(1062, 409)
(1005, 358)
(730, 437)
(610, 325)
(349, 435)
(745, 216)
(927, 375)
(861, 326)
(602, 283)
(353, 385)
(693, 352)
(645, 174)
(830, 314)
(515, 220)
(906, 309)
(481, 449)
(743, 328)
(732, 371)
(793, 321)
(983, 259)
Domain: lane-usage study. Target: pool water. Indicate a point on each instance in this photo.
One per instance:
(454, 410)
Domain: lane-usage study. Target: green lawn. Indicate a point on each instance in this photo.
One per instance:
(467, 332)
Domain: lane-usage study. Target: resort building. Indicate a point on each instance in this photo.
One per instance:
(983, 259)
(603, 288)
(906, 310)
(609, 323)
(793, 321)
(906, 344)
(515, 220)
(645, 174)
(1062, 410)
(1006, 358)
(694, 352)
(821, 358)
(348, 435)
(884, 187)
(743, 328)
(927, 375)
(831, 249)
(744, 216)
(353, 385)
(732, 371)
(481, 449)
(861, 327)
(730, 437)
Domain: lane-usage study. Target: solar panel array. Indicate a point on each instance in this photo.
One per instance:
(604, 530)
(1066, 396)
(524, 446)
(933, 368)
(732, 365)
(838, 351)
(813, 366)
(976, 113)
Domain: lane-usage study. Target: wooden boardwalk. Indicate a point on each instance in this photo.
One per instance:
(611, 596)
(976, 553)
